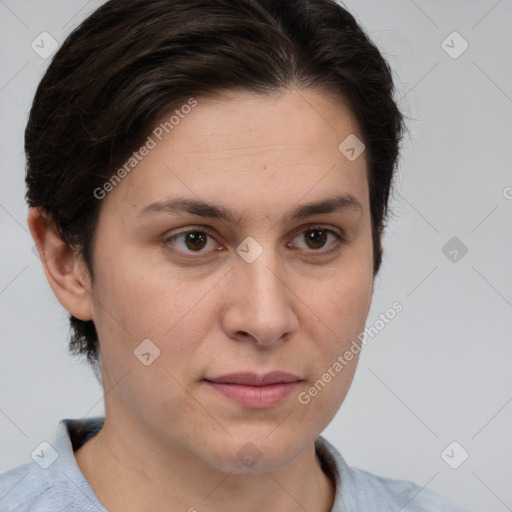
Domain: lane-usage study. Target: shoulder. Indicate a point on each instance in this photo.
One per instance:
(360, 490)
(401, 495)
(24, 488)
(52, 481)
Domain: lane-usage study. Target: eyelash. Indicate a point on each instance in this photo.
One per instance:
(340, 240)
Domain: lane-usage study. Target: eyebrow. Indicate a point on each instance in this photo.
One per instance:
(178, 205)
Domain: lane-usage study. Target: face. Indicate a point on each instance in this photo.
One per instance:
(265, 281)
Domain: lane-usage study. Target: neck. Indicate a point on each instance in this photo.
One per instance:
(130, 473)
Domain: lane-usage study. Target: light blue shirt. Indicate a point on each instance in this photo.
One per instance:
(54, 482)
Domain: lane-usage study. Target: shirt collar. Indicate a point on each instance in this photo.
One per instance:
(73, 433)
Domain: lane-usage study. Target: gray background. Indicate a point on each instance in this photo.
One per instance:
(440, 371)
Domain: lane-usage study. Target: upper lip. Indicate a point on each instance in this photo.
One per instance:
(254, 379)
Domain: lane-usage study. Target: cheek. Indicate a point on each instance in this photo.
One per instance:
(341, 300)
(143, 298)
(353, 301)
(339, 319)
(139, 302)
(144, 306)
(337, 313)
(336, 352)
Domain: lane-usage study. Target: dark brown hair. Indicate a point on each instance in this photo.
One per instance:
(131, 61)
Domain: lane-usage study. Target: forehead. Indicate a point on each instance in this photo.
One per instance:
(248, 124)
(240, 146)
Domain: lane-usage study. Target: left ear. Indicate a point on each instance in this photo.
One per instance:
(66, 272)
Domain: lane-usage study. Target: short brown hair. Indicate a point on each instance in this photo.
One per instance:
(131, 61)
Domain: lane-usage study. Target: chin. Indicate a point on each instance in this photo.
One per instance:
(258, 453)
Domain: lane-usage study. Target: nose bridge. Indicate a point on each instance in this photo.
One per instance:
(261, 278)
(266, 280)
(264, 300)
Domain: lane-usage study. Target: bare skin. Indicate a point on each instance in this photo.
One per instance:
(170, 441)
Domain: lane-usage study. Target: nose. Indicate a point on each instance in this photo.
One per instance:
(260, 302)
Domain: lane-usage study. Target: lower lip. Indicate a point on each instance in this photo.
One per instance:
(255, 397)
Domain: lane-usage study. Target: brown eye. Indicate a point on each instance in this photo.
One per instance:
(316, 238)
(193, 241)
(313, 240)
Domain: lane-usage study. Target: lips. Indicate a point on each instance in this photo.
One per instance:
(253, 379)
(254, 391)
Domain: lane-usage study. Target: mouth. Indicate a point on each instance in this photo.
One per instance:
(255, 391)
(254, 379)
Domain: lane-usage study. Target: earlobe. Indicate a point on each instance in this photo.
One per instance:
(65, 270)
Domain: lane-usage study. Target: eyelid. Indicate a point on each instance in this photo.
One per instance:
(341, 240)
(337, 232)
(324, 227)
(191, 229)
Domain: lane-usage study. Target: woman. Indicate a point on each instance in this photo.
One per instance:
(208, 183)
